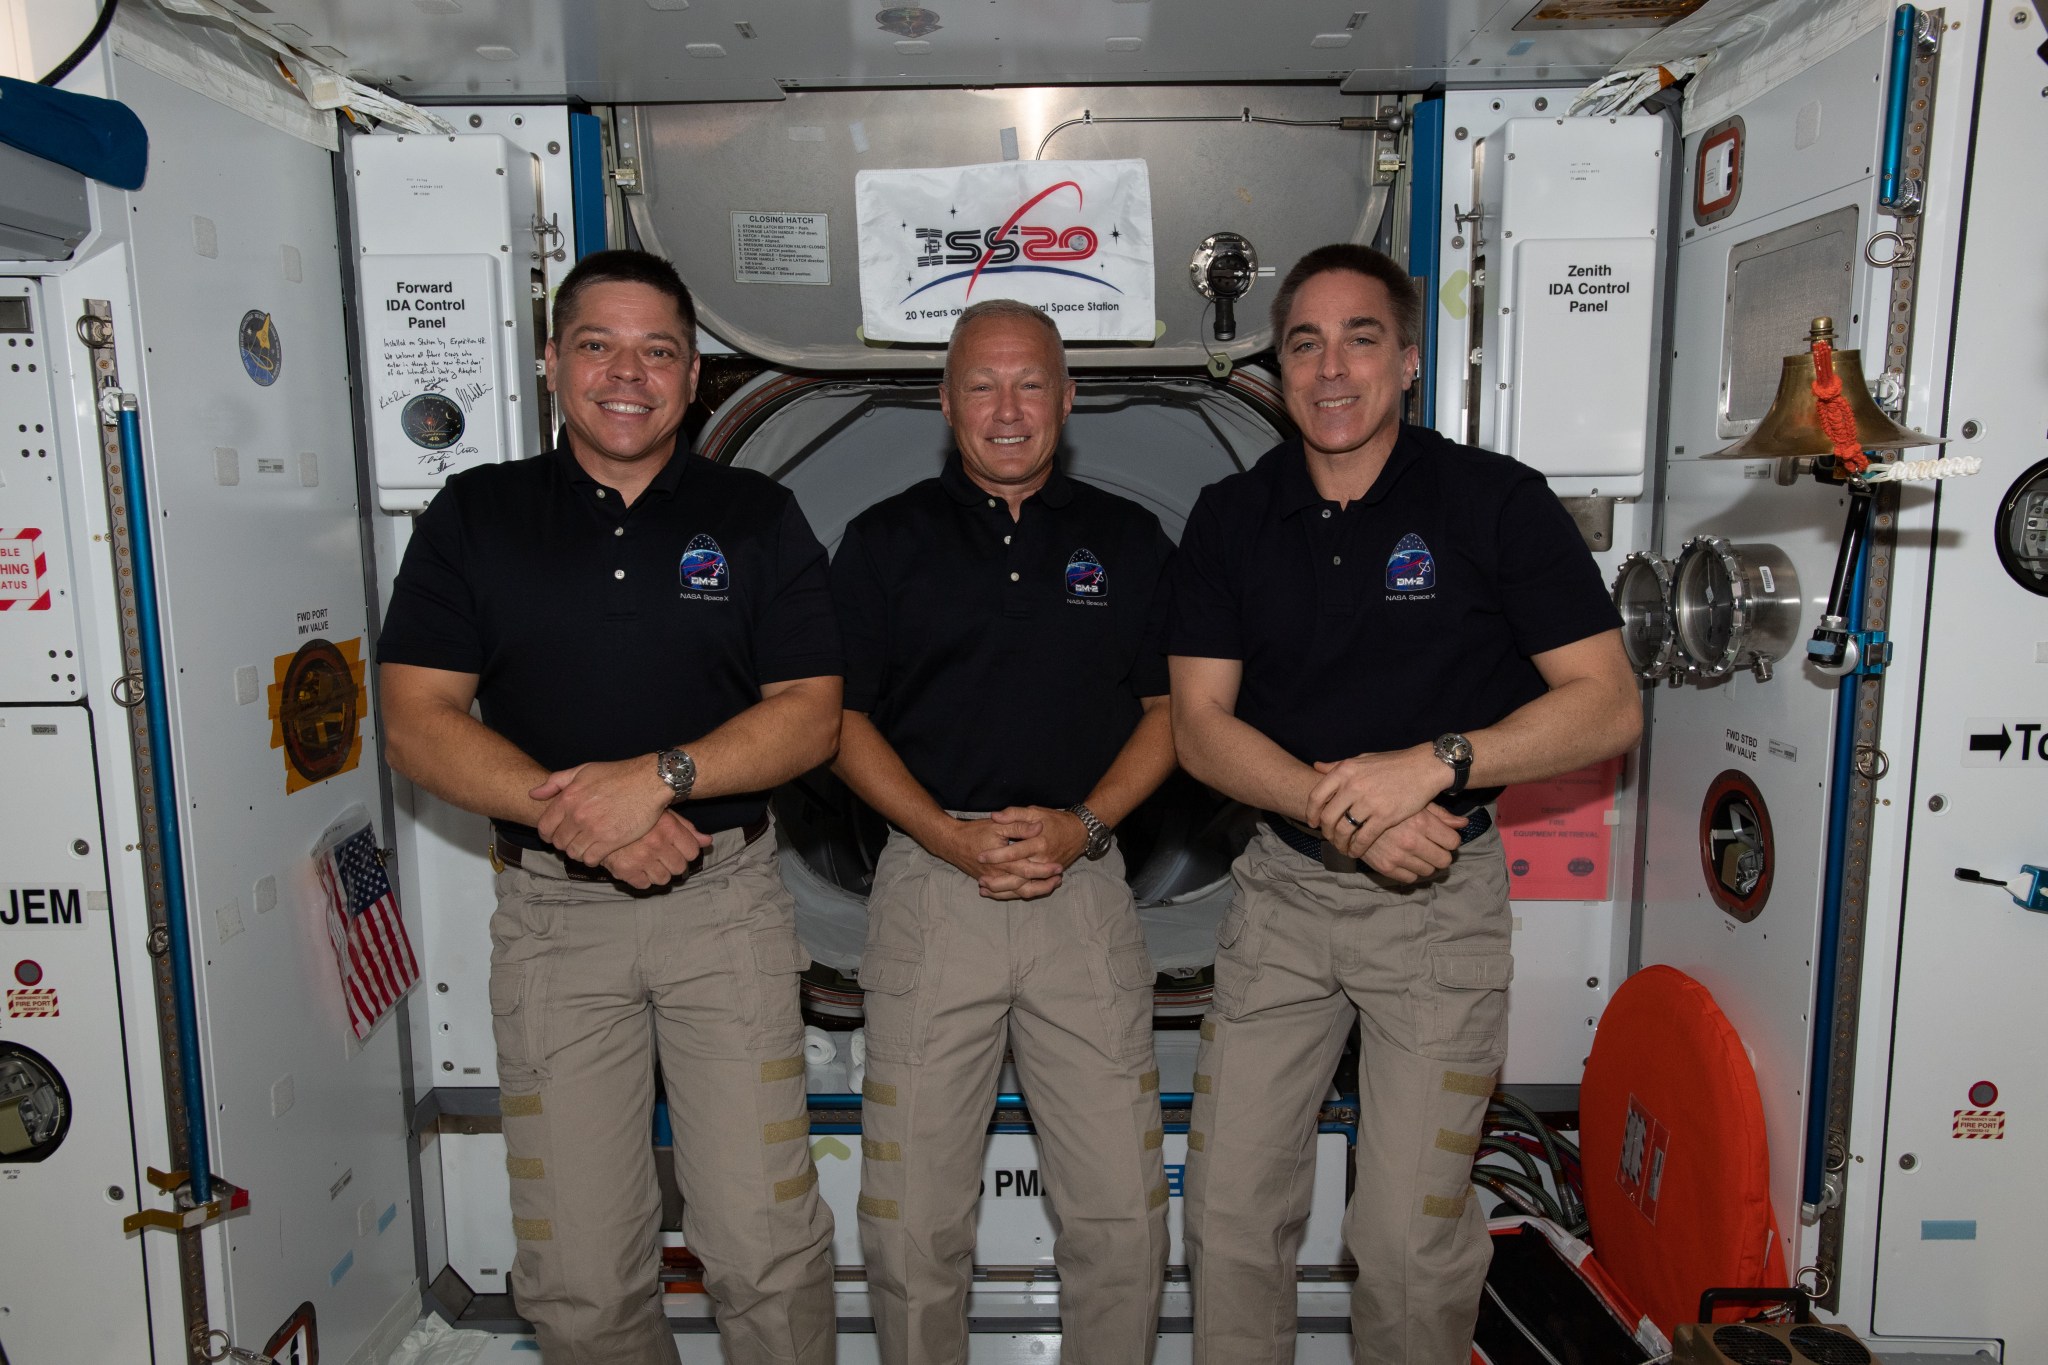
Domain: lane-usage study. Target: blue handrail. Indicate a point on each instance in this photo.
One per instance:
(1841, 778)
(1905, 22)
(163, 783)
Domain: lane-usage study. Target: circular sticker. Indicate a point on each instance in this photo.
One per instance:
(1520, 867)
(431, 421)
(1580, 867)
(262, 348)
(317, 710)
(1983, 1095)
(28, 972)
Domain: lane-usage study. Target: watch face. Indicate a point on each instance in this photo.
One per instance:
(1454, 749)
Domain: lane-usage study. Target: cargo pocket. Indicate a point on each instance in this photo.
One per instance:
(515, 1024)
(1237, 958)
(777, 957)
(1130, 1008)
(1468, 1003)
(888, 979)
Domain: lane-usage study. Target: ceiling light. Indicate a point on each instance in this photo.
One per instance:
(1123, 44)
(913, 47)
(492, 52)
(1330, 40)
(707, 51)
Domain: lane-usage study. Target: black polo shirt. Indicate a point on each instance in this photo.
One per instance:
(1002, 660)
(599, 631)
(1407, 615)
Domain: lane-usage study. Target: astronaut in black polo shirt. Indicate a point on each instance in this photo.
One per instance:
(1005, 709)
(649, 638)
(1373, 630)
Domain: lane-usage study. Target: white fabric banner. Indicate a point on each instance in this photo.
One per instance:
(1072, 237)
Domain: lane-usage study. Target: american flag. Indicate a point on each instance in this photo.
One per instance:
(370, 943)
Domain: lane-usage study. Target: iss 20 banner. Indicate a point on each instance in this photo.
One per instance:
(1072, 237)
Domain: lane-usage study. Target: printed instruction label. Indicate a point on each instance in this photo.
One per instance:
(1979, 1123)
(1741, 745)
(2007, 742)
(1645, 1144)
(22, 567)
(433, 333)
(781, 248)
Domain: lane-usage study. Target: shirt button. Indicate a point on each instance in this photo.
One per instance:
(1326, 514)
(1013, 578)
(600, 492)
(1336, 559)
(618, 530)
(1006, 540)
(618, 573)
(991, 502)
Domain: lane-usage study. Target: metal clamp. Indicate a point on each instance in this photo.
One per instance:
(127, 691)
(190, 1213)
(1903, 251)
(213, 1345)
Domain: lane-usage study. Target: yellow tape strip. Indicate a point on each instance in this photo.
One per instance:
(1198, 1141)
(1465, 1083)
(1149, 1082)
(874, 1092)
(875, 1150)
(1155, 1139)
(1208, 1028)
(782, 1069)
(795, 1186)
(518, 1106)
(534, 1229)
(789, 1130)
(1464, 1144)
(1203, 1084)
(879, 1208)
(524, 1168)
(1436, 1206)
(1157, 1197)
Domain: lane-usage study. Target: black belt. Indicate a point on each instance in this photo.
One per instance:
(1312, 847)
(512, 855)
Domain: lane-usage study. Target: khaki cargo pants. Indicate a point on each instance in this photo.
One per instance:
(1425, 969)
(588, 986)
(1065, 983)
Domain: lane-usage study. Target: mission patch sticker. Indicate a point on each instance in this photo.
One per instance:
(1086, 577)
(1411, 568)
(704, 568)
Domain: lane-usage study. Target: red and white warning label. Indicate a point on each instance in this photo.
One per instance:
(1645, 1145)
(23, 567)
(1979, 1123)
(37, 1002)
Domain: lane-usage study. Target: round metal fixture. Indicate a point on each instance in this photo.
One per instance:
(1736, 851)
(1642, 594)
(1735, 606)
(35, 1106)
(2022, 535)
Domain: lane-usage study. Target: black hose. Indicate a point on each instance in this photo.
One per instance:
(84, 49)
(1545, 1205)
(1850, 554)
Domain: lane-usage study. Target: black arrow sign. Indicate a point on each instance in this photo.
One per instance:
(1994, 744)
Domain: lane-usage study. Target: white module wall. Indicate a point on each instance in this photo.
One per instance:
(1569, 955)
(224, 286)
(1810, 154)
(1966, 1127)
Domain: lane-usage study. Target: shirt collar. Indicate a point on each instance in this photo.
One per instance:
(664, 483)
(1057, 492)
(1297, 491)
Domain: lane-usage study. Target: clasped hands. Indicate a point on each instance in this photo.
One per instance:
(1017, 854)
(616, 816)
(1381, 809)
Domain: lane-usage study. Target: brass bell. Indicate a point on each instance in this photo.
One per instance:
(1792, 427)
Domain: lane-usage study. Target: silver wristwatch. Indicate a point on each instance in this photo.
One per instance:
(677, 769)
(1098, 833)
(1455, 750)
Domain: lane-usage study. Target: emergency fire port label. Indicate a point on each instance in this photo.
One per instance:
(23, 567)
(2007, 742)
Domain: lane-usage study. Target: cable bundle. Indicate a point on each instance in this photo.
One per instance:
(1515, 1131)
